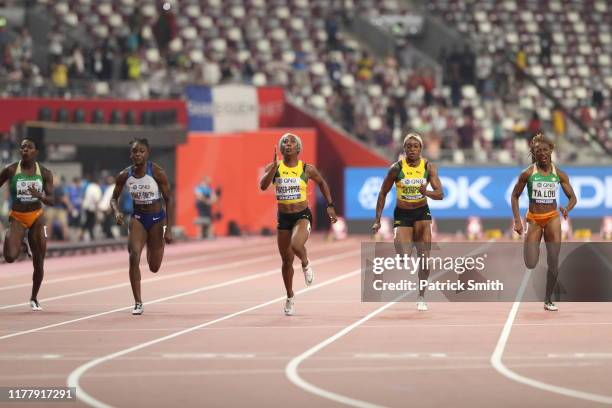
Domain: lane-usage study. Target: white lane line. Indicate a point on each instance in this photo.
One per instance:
(291, 370)
(124, 268)
(101, 260)
(75, 376)
(275, 371)
(155, 279)
(497, 363)
(178, 295)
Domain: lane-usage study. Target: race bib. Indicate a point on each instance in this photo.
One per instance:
(23, 187)
(288, 188)
(544, 192)
(410, 189)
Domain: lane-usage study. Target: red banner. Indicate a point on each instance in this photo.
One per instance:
(271, 105)
(15, 110)
(234, 162)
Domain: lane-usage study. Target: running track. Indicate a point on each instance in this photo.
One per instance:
(213, 334)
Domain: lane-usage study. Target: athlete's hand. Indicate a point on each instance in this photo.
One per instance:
(331, 211)
(423, 189)
(518, 226)
(375, 227)
(275, 161)
(564, 212)
(119, 218)
(168, 234)
(34, 192)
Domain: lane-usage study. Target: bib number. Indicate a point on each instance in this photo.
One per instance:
(288, 189)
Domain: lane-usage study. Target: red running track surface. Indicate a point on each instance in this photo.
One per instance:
(214, 335)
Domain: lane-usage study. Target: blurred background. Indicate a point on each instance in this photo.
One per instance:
(213, 84)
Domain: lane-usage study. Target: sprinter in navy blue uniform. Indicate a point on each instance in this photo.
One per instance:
(149, 225)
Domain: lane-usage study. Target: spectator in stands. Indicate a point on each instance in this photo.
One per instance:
(91, 200)
(535, 125)
(558, 122)
(131, 67)
(331, 29)
(468, 65)
(26, 43)
(546, 42)
(484, 67)
(59, 75)
(467, 133)
(76, 63)
(205, 197)
(164, 28)
(57, 215)
(4, 40)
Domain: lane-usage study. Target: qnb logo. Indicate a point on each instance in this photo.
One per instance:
(368, 194)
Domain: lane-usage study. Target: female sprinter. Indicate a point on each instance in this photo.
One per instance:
(542, 180)
(290, 177)
(411, 217)
(30, 185)
(149, 225)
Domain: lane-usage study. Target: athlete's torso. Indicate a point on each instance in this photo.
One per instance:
(407, 184)
(542, 189)
(144, 190)
(20, 185)
(291, 187)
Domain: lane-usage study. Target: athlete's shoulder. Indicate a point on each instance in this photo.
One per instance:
(527, 171)
(157, 168)
(560, 173)
(44, 171)
(11, 167)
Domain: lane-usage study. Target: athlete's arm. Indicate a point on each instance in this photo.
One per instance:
(46, 198)
(382, 194)
(6, 174)
(437, 193)
(569, 192)
(164, 185)
(270, 171)
(120, 180)
(313, 173)
(514, 200)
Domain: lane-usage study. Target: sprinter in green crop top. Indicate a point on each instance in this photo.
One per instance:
(542, 179)
(30, 186)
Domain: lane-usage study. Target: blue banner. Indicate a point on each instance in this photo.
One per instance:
(199, 108)
(478, 191)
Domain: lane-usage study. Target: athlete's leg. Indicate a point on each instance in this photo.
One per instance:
(531, 246)
(422, 238)
(155, 246)
(37, 238)
(12, 240)
(286, 253)
(552, 238)
(402, 239)
(136, 242)
(301, 232)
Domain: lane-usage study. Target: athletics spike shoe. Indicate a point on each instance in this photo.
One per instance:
(35, 305)
(289, 309)
(308, 274)
(421, 304)
(550, 306)
(138, 309)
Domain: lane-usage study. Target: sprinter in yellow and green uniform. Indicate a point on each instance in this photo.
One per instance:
(30, 186)
(542, 179)
(411, 217)
(290, 178)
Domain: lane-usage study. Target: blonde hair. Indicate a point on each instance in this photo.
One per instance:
(298, 141)
(414, 136)
(539, 138)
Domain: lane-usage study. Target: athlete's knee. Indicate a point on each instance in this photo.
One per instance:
(297, 247)
(287, 261)
(155, 267)
(531, 263)
(10, 258)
